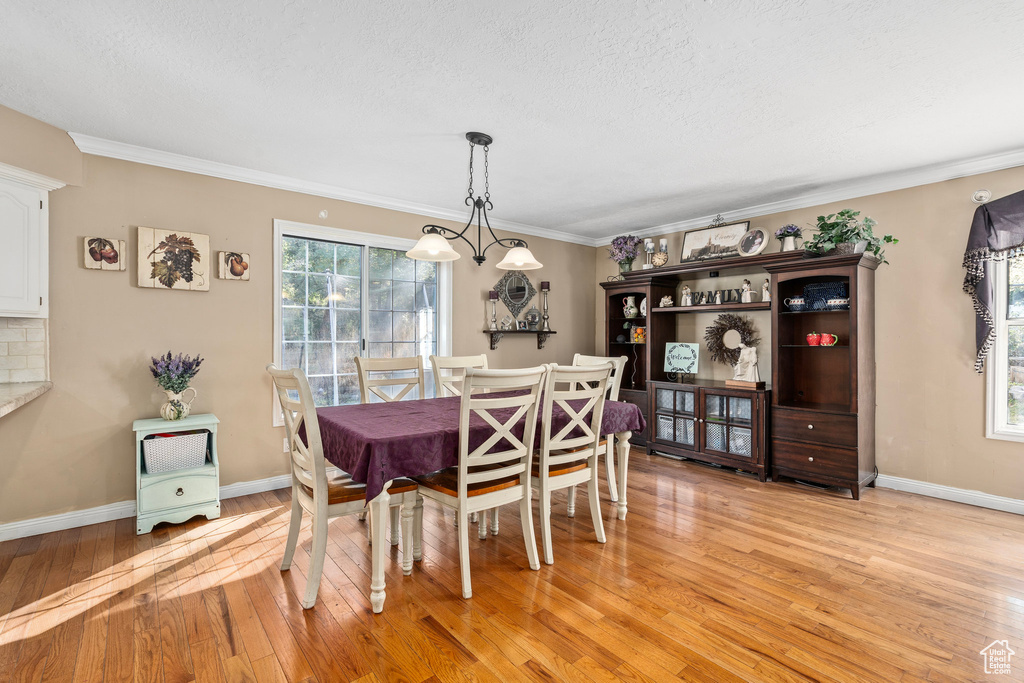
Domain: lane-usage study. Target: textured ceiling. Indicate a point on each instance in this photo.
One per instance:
(607, 115)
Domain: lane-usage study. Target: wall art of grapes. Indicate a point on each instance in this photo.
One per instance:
(173, 260)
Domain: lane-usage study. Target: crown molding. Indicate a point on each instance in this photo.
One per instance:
(36, 180)
(845, 191)
(179, 162)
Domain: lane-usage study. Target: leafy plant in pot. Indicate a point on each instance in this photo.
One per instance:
(844, 233)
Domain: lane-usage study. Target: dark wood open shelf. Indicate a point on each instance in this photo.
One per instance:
(811, 346)
(715, 308)
(496, 336)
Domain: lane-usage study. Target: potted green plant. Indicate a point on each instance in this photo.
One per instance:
(845, 233)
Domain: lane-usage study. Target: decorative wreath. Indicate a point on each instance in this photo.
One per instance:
(713, 337)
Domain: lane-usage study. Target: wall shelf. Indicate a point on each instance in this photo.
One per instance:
(496, 335)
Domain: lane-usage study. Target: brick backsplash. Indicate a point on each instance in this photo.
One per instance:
(23, 350)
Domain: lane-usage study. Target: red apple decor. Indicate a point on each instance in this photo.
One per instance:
(103, 253)
(829, 339)
(813, 339)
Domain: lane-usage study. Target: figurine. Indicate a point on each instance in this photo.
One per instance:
(745, 292)
(718, 297)
(666, 302)
(746, 367)
(685, 297)
(766, 294)
(507, 323)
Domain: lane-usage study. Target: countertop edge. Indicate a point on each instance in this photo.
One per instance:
(13, 395)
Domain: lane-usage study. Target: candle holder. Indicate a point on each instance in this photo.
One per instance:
(545, 287)
(493, 296)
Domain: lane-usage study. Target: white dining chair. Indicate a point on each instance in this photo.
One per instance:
(607, 445)
(569, 452)
(450, 384)
(496, 472)
(378, 374)
(325, 498)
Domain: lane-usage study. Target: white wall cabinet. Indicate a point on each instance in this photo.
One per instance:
(24, 223)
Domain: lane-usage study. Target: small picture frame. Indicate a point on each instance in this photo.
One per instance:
(718, 242)
(522, 326)
(103, 253)
(753, 242)
(232, 265)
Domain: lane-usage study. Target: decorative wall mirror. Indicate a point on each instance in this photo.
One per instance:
(515, 291)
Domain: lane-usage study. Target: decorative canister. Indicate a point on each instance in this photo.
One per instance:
(532, 319)
(629, 308)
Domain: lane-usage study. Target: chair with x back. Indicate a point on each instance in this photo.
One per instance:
(572, 410)
(322, 498)
(494, 461)
(402, 375)
(450, 384)
(607, 445)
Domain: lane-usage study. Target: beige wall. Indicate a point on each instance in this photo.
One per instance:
(73, 448)
(35, 146)
(931, 403)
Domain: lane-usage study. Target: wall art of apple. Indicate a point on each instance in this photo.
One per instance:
(232, 265)
(101, 253)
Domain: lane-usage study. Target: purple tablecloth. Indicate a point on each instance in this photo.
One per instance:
(377, 442)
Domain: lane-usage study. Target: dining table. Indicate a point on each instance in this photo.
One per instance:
(376, 443)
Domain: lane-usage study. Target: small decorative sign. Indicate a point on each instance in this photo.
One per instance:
(101, 253)
(682, 357)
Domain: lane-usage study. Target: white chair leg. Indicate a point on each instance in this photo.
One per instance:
(408, 503)
(609, 467)
(474, 517)
(417, 529)
(526, 516)
(570, 508)
(481, 531)
(494, 521)
(595, 505)
(467, 584)
(396, 512)
(361, 516)
(317, 553)
(544, 503)
(293, 532)
(369, 526)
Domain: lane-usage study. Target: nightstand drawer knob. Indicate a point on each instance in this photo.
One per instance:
(809, 459)
(810, 426)
(179, 492)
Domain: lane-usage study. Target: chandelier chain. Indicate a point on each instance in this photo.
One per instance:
(472, 148)
(487, 176)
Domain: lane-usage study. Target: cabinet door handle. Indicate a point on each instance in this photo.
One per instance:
(179, 492)
(810, 426)
(809, 459)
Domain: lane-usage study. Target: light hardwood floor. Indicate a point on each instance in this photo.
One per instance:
(712, 577)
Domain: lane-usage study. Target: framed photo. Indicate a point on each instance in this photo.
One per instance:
(521, 325)
(754, 242)
(713, 243)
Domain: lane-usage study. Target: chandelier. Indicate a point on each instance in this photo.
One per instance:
(434, 245)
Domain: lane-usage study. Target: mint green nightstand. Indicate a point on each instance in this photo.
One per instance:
(178, 495)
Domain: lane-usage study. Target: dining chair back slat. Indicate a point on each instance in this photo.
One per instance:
(296, 399)
(450, 384)
(372, 384)
(615, 381)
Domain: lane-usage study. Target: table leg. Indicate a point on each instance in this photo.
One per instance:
(622, 451)
(378, 523)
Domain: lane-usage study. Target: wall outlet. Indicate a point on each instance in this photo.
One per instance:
(286, 449)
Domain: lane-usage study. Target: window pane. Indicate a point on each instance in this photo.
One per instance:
(345, 291)
(404, 351)
(316, 290)
(1015, 381)
(349, 260)
(292, 356)
(379, 350)
(348, 389)
(345, 356)
(293, 289)
(404, 267)
(404, 327)
(347, 325)
(426, 295)
(293, 254)
(321, 359)
(380, 264)
(426, 271)
(404, 296)
(1016, 294)
(323, 390)
(321, 256)
(293, 327)
(380, 295)
(380, 327)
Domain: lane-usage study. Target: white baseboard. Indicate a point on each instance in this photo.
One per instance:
(924, 488)
(126, 508)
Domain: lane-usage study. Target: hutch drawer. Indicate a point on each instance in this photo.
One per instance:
(837, 463)
(814, 427)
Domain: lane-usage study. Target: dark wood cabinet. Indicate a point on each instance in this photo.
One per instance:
(707, 421)
(823, 400)
(639, 399)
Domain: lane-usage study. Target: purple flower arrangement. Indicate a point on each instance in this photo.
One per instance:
(789, 230)
(174, 373)
(625, 248)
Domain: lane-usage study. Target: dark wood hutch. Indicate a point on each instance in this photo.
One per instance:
(821, 426)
